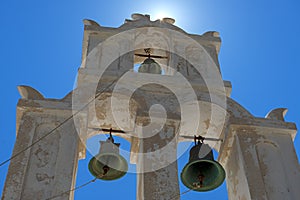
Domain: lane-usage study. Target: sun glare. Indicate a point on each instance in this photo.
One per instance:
(161, 15)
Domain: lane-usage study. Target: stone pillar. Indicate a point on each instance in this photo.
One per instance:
(49, 167)
(160, 151)
(261, 164)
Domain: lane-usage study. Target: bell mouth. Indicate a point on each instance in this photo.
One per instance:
(108, 166)
(202, 175)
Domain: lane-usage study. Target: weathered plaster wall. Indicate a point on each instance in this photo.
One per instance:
(49, 167)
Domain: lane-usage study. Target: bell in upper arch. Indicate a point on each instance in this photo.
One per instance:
(108, 164)
(150, 66)
(202, 172)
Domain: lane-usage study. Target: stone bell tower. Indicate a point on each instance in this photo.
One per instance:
(155, 109)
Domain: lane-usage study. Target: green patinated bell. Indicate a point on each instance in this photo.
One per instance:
(108, 164)
(150, 66)
(202, 173)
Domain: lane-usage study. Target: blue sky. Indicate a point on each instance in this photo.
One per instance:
(41, 47)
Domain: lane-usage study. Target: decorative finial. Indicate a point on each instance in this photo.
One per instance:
(28, 92)
(277, 114)
(168, 20)
(138, 16)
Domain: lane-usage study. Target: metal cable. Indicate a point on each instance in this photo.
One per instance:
(57, 127)
(182, 193)
(76, 188)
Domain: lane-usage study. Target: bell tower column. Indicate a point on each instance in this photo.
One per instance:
(46, 161)
(261, 162)
(157, 166)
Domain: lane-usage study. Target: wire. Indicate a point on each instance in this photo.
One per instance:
(187, 191)
(76, 188)
(182, 193)
(60, 125)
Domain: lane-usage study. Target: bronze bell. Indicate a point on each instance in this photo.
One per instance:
(202, 172)
(108, 164)
(150, 66)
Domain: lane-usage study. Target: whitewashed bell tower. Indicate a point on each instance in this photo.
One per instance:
(156, 109)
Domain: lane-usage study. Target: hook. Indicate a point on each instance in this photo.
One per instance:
(110, 136)
(199, 139)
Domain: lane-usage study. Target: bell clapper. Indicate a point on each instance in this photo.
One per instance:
(200, 183)
(105, 169)
(201, 179)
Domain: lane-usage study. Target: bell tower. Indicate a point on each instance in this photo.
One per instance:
(154, 85)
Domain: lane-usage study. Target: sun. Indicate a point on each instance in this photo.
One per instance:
(160, 15)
